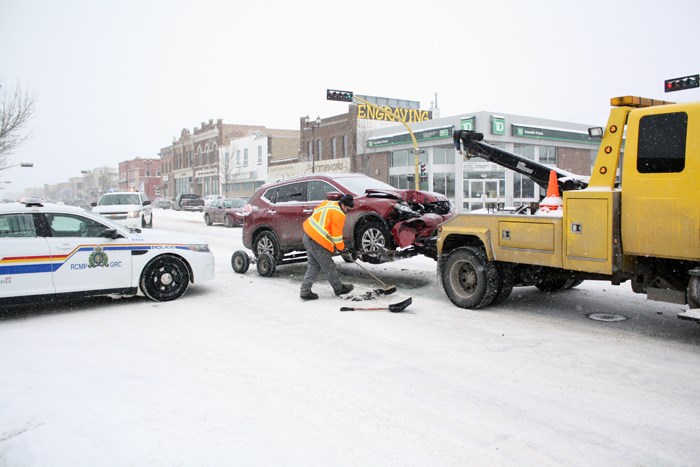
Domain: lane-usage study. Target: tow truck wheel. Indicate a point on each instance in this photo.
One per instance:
(266, 264)
(693, 292)
(240, 261)
(165, 278)
(505, 287)
(469, 279)
(572, 283)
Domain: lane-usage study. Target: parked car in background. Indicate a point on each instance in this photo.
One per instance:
(129, 208)
(227, 211)
(209, 198)
(50, 251)
(81, 203)
(384, 218)
(188, 202)
(163, 203)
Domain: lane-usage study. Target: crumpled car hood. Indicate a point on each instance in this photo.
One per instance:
(410, 196)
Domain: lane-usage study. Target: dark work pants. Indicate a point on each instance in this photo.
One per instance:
(320, 261)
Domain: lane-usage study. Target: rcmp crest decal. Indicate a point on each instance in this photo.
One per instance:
(98, 258)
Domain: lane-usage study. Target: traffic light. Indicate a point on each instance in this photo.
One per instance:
(678, 84)
(335, 95)
(423, 170)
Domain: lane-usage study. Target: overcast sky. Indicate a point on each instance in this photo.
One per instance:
(118, 80)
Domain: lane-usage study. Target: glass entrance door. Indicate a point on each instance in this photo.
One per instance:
(479, 192)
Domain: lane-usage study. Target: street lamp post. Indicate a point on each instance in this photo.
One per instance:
(313, 125)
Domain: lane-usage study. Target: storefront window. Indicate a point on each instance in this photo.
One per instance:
(548, 155)
(444, 155)
(523, 187)
(402, 182)
(439, 156)
(399, 158)
(524, 150)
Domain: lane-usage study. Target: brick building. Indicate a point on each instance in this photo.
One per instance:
(141, 175)
(191, 162)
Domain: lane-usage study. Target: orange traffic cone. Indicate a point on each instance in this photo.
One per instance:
(553, 200)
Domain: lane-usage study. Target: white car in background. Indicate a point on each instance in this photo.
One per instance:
(210, 198)
(129, 208)
(49, 251)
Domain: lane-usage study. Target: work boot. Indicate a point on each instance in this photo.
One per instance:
(345, 288)
(308, 295)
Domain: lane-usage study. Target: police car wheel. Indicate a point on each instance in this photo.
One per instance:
(165, 278)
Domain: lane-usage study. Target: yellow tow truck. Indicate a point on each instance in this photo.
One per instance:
(636, 218)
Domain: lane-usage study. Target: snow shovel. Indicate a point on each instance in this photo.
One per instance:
(393, 307)
(387, 290)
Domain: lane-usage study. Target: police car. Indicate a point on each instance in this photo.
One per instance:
(49, 250)
(129, 208)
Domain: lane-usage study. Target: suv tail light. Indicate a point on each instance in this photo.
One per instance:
(247, 209)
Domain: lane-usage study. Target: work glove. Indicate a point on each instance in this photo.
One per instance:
(348, 254)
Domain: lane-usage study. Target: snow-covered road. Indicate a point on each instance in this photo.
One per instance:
(241, 372)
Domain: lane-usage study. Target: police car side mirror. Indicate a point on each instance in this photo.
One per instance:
(146, 203)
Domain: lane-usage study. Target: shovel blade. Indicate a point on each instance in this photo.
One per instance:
(392, 307)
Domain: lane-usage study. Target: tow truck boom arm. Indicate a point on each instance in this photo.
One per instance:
(469, 143)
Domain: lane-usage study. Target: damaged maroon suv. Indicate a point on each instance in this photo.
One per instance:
(385, 223)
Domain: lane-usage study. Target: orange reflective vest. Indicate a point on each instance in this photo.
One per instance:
(325, 225)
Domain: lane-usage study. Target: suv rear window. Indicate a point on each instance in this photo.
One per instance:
(291, 192)
(317, 189)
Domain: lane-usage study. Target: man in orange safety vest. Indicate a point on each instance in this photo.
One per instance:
(323, 236)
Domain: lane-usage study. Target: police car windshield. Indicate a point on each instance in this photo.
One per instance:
(122, 198)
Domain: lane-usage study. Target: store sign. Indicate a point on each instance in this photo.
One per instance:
(498, 125)
(206, 173)
(284, 171)
(468, 124)
(552, 134)
(481, 167)
(248, 175)
(405, 138)
(392, 114)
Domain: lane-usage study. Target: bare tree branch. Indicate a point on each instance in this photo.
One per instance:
(226, 169)
(16, 109)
